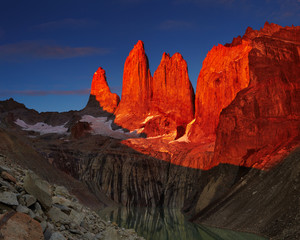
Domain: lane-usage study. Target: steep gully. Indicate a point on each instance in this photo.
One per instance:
(245, 119)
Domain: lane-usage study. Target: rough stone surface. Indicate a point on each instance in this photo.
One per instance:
(22, 209)
(8, 177)
(80, 129)
(173, 94)
(261, 125)
(108, 101)
(20, 226)
(57, 215)
(9, 198)
(66, 219)
(57, 236)
(137, 89)
(224, 73)
(38, 188)
(27, 200)
(159, 105)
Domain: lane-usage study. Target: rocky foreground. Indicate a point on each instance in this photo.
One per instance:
(31, 208)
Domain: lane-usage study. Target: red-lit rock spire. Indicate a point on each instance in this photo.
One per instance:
(137, 89)
(107, 100)
(173, 93)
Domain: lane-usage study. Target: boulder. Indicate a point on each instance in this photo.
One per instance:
(39, 188)
(20, 226)
(57, 236)
(22, 209)
(27, 200)
(9, 198)
(58, 216)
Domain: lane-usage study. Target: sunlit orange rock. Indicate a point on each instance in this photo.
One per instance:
(248, 109)
(224, 73)
(107, 100)
(160, 105)
(137, 89)
(262, 124)
(173, 96)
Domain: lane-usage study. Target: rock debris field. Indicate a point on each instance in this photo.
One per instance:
(31, 208)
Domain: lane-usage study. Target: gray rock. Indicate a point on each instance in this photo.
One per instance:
(57, 236)
(38, 208)
(111, 234)
(7, 186)
(48, 231)
(62, 201)
(38, 188)
(44, 225)
(89, 236)
(76, 217)
(75, 231)
(62, 191)
(38, 218)
(6, 169)
(31, 214)
(58, 216)
(22, 209)
(99, 236)
(9, 198)
(28, 200)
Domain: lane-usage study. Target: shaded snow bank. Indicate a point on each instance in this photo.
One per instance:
(42, 128)
(99, 125)
(102, 126)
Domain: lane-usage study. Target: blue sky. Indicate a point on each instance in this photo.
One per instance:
(49, 50)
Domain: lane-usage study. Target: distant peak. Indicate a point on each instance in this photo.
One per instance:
(101, 71)
(165, 56)
(177, 56)
(139, 45)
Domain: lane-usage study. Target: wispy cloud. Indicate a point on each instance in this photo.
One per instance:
(43, 92)
(175, 25)
(42, 50)
(70, 23)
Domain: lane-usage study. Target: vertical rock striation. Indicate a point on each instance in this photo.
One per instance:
(262, 124)
(224, 73)
(160, 105)
(137, 89)
(173, 93)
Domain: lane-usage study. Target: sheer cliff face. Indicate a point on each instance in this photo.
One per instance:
(262, 124)
(173, 94)
(224, 73)
(246, 104)
(108, 101)
(159, 105)
(137, 89)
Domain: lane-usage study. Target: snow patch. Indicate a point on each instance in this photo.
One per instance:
(41, 127)
(184, 138)
(102, 126)
(149, 118)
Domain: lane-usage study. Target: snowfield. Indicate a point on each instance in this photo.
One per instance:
(41, 127)
(99, 126)
(102, 126)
